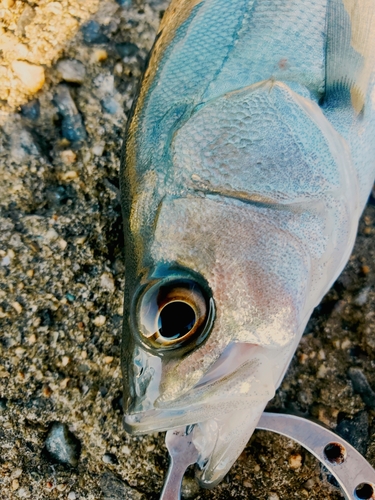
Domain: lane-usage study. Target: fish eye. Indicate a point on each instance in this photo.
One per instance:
(173, 313)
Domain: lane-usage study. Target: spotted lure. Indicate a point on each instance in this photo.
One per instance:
(249, 158)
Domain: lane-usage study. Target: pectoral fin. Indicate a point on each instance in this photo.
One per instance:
(350, 50)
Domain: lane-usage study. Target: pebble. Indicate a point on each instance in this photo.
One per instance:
(115, 489)
(189, 488)
(93, 33)
(355, 430)
(110, 458)
(17, 306)
(126, 49)
(110, 105)
(108, 359)
(15, 484)
(98, 148)
(273, 496)
(31, 110)
(62, 445)
(362, 297)
(99, 55)
(295, 461)
(124, 3)
(23, 144)
(31, 75)
(362, 386)
(72, 496)
(107, 282)
(68, 156)
(99, 320)
(72, 127)
(71, 70)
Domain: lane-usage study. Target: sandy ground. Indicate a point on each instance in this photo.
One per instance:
(62, 277)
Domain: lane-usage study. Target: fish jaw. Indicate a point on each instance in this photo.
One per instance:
(225, 405)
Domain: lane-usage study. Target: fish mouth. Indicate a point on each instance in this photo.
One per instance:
(240, 379)
(224, 407)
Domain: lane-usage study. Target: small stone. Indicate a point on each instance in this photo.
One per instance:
(69, 175)
(72, 127)
(15, 484)
(355, 430)
(30, 273)
(62, 243)
(108, 359)
(65, 360)
(126, 49)
(110, 105)
(61, 487)
(362, 297)
(17, 473)
(273, 496)
(362, 386)
(17, 306)
(47, 391)
(115, 489)
(107, 282)
(72, 496)
(99, 320)
(98, 148)
(31, 110)
(110, 458)
(31, 75)
(51, 235)
(71, 70)
(62, 446)
(309, 484)
(68, 156)
(99, 55)
(32, 339)
(93, 33)
(64, 383)
(295, 461)
(366, 269)
(189, 488)
(124, 3)
(322, 371)
(7, 4)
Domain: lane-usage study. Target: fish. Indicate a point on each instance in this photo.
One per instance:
(248, 158)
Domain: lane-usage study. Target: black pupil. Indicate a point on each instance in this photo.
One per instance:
(364, 491)
(176, 320)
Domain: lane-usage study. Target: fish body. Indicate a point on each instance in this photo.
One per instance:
(249, 158)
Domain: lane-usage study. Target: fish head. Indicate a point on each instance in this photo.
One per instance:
(212, 318)
(227, 267)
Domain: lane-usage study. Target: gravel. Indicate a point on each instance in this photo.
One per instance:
(62, 281)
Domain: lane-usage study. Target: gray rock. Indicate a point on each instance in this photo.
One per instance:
(93, 33)
(115, 489)
(362, 386)
(126, 49)
(31, 110)
(3, 404)
(62, 446)
(71, 70)
(110, 458)
(355, 430)
(72, 127)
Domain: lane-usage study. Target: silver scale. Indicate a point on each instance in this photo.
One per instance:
(351, 470)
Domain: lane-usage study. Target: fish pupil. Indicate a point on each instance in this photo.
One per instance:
(176, 319)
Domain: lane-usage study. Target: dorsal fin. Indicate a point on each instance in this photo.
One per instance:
(350, 49)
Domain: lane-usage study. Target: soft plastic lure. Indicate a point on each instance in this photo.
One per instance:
(249, 157)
